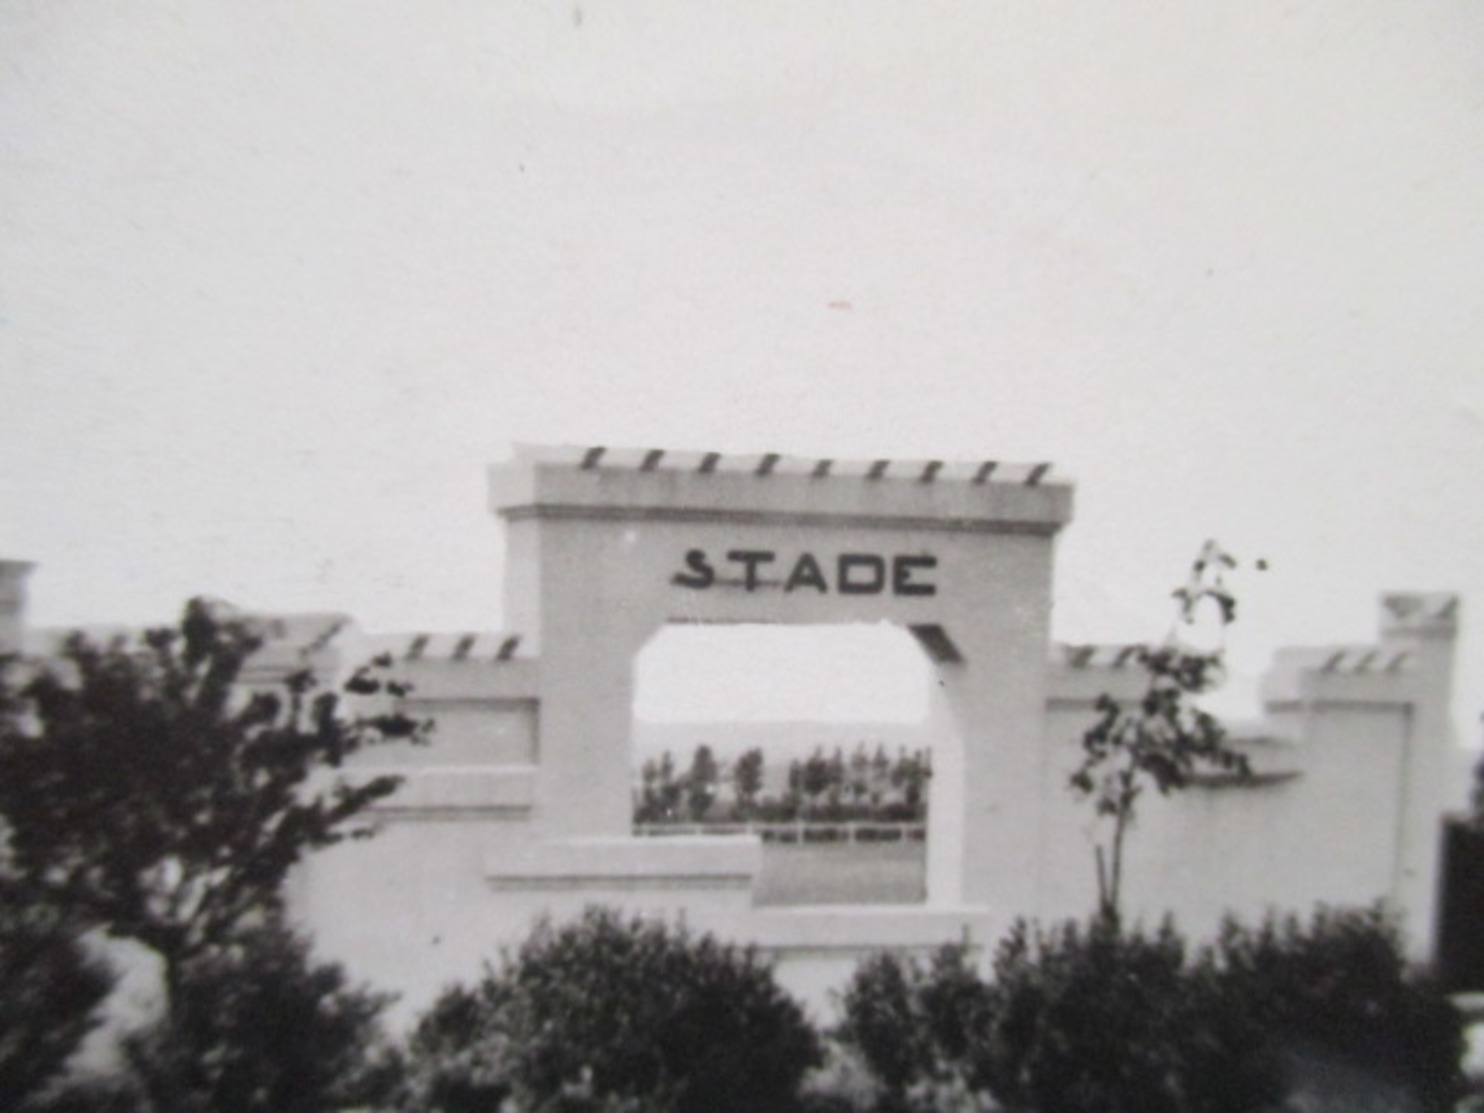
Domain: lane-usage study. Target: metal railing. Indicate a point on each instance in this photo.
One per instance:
(794, 831)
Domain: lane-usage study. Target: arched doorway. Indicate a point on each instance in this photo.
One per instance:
(817, 739)
(608, 548)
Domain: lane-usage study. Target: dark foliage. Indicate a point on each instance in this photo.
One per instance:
(747, 780)
(1100, 1019)
(50, 989)
(919, 1031)
(662, 792)
(825, 789)
(1337, 991)
(96, 1095)
(883, 1023)
(459, 1056)
(701, 782)
(258, 1027)
(147, 788)
(611, 1013)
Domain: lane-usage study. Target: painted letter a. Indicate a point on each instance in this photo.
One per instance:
(806, 573)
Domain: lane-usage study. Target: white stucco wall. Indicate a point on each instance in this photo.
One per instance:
(523, 806)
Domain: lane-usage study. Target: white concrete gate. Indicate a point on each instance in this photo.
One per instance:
(523, 805)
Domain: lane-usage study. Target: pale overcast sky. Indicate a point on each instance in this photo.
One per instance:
(278, 279)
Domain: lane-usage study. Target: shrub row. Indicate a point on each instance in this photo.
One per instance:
(616, 1014)
(1097, 1019)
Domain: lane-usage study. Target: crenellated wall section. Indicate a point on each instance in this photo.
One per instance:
(522, 805)
(1349, 760)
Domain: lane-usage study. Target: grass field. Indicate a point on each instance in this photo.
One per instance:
(842, 873)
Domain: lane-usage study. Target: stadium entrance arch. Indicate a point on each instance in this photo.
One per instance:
(608, 547)
(524, 806)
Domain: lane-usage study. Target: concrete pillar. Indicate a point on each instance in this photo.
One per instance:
(13, 575)
(986, 848)
(1425, 625)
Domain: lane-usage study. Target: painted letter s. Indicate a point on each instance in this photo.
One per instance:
(701, 574)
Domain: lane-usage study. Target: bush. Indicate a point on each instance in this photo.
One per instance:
(459, 1054)
(883, 1024)
(49, 993)
(615, 1013)
(1098, 1019)
(918, 1032)
(1074, 1020)
(1106, 1020)
(257, 1027)
(1337, 998)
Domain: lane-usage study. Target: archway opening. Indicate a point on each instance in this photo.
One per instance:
(817, 739)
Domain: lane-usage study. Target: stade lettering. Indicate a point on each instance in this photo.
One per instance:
(854, 573)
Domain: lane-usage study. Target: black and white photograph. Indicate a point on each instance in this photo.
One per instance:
(711, 557)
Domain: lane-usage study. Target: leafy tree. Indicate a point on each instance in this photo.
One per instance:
(910, 777)
(836, 783)
(859, 776)
(662, 790)
(700, 782)
(747, 779)
(146, 788)
(880, 774)
(793, 799)
(816, 775)
(1163, 738)
(648, 807)
(616, 1013)
(258, 1027)
(669, 787)
(50, 989)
